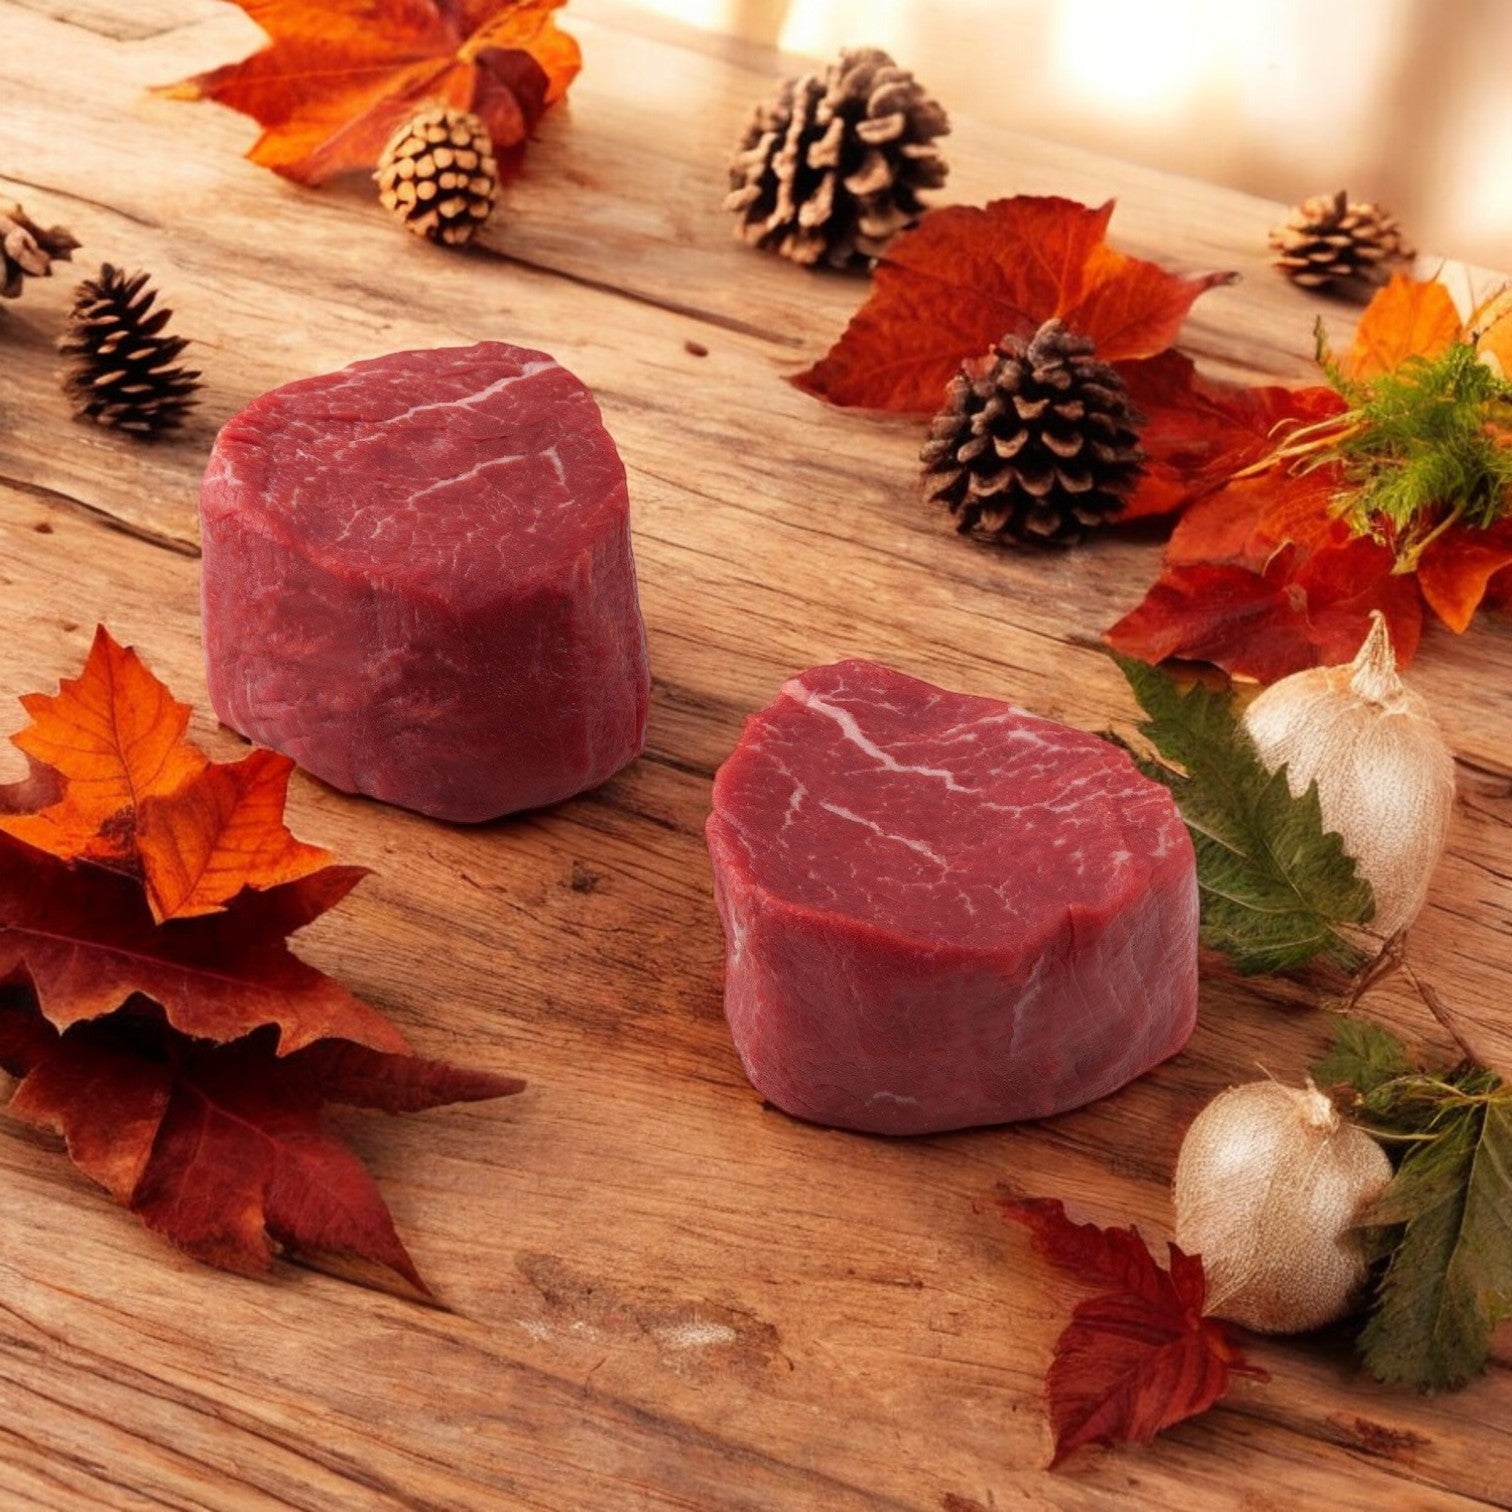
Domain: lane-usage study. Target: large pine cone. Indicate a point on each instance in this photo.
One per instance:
(1037, 443)
(438, 176)
(1332, 243)
(26, 250)
(832, 168)
(122, 370)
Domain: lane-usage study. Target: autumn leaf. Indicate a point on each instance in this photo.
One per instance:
(968, 276)
(87, 940)
(1302, 610)
(125, 789)
(149, 1000)
(114, 736)
(222, 1148)
(1408, 318)
(1138, 1357)
(339, 76)
(1380, 493)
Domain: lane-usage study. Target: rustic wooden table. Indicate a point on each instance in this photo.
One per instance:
(656, 1292)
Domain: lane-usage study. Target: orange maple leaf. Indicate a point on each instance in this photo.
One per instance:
(1408, 318)
(968, 276)
(339, 77)
(221, 1148)
(137, 796)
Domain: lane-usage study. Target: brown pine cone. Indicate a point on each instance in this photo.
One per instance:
(1037, 443)
(1333, 244)
(122, 371)
(438, 175)
(832, 168)
(26, 250)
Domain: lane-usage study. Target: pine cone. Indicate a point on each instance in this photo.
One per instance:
(26, 250)
(1331, 243)
(438, 176)
(121, 370)
(831, 169)
(1037, 443)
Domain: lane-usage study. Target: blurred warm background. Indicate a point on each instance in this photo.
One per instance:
(1407, 102)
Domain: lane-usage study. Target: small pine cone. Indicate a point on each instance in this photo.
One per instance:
(1333, 244)
(1037, 443)
(438, 175)
(26, 250)
(122, 371)
(832, 168)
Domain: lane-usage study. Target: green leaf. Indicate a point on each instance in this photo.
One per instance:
(1276, 887)
(1364, 1056)
(1450, 1276)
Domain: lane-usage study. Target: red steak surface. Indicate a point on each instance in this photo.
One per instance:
(418, 582)
(940, 910)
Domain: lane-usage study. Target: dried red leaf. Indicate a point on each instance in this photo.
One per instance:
(1245, 522)
(968, 276)
(1138, 1358)
(337, 78)
(1408, 318)
(86, 939)
(1200, 431)
(222, 1149)
(1304, 609)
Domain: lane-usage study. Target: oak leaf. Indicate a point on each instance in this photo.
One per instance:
(1139, 1356)
(124, 788)
(338, 77)
(222, 1148)
(968, 276)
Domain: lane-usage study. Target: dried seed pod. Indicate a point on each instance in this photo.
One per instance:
(1385, 774)
(1270, 1186)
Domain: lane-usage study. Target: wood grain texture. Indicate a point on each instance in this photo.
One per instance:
(656, 1292)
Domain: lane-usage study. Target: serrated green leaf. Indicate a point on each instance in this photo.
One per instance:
(1364, 1055)
(1450, 1276)
(1276, 887)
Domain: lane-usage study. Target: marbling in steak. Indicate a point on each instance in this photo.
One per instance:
(418, 582)
(942, 911)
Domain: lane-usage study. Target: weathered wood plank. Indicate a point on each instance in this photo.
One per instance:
(659, 1293)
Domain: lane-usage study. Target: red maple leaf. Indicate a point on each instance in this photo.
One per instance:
(148, 996)
(968, 276)
(222, 1148)
(1138, 1357)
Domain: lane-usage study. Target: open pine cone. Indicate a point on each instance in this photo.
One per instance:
(833, 167)
(1037, 443)
(122, 371)
(438, 176)
(1332, 243)
(26, 250)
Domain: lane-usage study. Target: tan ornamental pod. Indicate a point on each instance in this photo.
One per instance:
(1385, 774)
(1270, 1186)
(437, 175)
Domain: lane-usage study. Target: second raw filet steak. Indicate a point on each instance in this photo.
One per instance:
(942, 911)
(418, 582)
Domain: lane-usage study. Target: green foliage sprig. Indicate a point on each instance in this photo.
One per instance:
(1443, 1228)
(1277, 890)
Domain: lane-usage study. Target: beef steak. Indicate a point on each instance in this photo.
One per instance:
(418, 582)
(942, 911)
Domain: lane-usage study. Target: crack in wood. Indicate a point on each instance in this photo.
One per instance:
(102, 515)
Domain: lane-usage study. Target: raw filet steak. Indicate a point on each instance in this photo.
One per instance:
(942, 911)
(418, 582)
